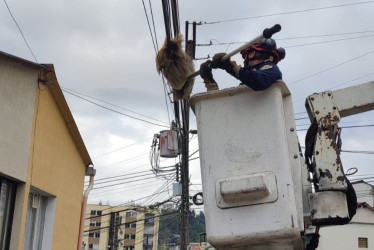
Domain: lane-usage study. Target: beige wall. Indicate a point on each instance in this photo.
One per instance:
(58, 169)
(18, 88)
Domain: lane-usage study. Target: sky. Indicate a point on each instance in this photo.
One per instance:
(104, 57)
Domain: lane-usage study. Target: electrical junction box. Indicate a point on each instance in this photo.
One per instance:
(169, 147)
(177, 189)
(250, 168)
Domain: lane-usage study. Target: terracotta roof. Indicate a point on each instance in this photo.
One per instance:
(365, 205)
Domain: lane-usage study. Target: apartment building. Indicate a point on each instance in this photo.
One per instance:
(120, 228)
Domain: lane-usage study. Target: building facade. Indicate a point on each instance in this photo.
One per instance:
(359, 233)
(120, 228)
(43, 160)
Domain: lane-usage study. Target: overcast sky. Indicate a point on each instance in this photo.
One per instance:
(104, 50)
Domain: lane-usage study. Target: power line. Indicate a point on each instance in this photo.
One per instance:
(121, 179)
(114, 105)
(115, 111)
(19, 28)
(357, 126)
(340, 85)
(106, 178)
(121, 224)
(127, 160)
(153, 23)
(111, 185)
(300, 37)
(118, 149)
(149, 26)
(333, 34)
(155, 45)
(286, 13)
(335, 66)
(124, 190)
(328, 41)
(166, 226)
(355, 151)
(163, 187)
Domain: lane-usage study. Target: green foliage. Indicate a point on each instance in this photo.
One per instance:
(169, 229)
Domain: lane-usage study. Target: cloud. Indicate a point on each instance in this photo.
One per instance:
(104, 50)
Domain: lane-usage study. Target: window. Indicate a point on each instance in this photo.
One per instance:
(131, 214)
(7, 199)
(149, 219)
(128, 247)
(149, 229)
(127, 236)
(90, 246)
(130, 225)
(40, 219)
(148, 240)
(98, 223)
(92, 224)
(133, 236)
(362, 242)
(97, 235)
(96, 212)
(91, 235)
(35, 221)
(95, 246)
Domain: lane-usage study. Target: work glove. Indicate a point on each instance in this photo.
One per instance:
(206, 74)
(230, 66)
(218, 64)
(206, 70)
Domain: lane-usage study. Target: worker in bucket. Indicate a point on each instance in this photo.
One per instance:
(260, 69)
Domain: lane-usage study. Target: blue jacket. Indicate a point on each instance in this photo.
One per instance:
(260, 76)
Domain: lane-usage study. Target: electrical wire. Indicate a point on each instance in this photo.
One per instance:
(116, 184)
(115, 111)
(335, 66)
(329, 41)
(358, 126)
(166, 226)
(19, 28)
(123, 161)
(117, 176)
(326, 35)
(286, 13)
(118, 149)
(101, 228)
(354, 151)
(155, 45)
(342, 84)
(149, 26)
(293, 38)
(120, 179)
(114, 105)
(125, 189)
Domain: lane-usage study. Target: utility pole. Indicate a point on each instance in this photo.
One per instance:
(185, 180)
(185, 204)
(181, 109)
